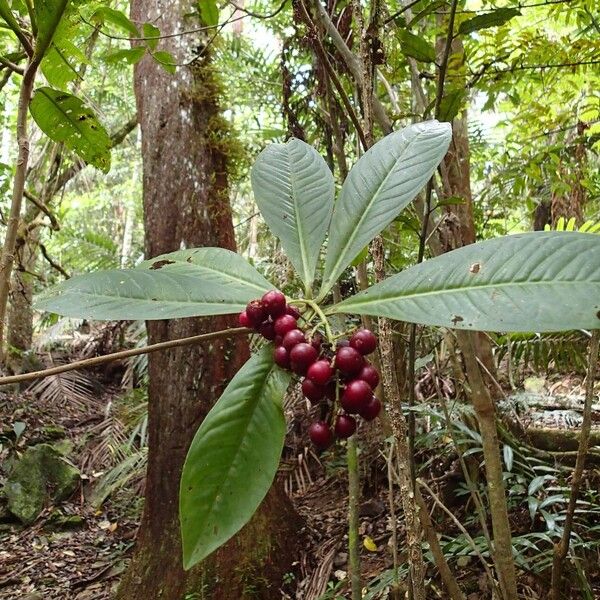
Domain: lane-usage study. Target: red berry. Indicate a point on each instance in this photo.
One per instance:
(371, 409)
(256, 313)
(274, 303)
(293, 337)
(302, 356)
(267, 330)
(348, 360)
(284, 324)
(356, 396)
(281, 357)
(369, 374)
(364, 341)
(313, 391)
(244, 320)
(345, 426)
(320, 372)
(293, 311)
(320, 434)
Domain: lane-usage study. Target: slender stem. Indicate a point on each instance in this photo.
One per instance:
(353, 502)
(392, 508)
(438, 554)
(459, 525)
(322, 318)
(7, 257)
(562, 548)
(98, 360)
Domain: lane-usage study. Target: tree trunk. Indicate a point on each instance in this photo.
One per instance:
(185, 184)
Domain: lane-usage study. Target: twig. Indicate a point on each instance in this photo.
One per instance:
(459, 525)
(52, 262)
(34, 200)
(562, 548)
(434, 545)
(353, 502)
(99, 360)
(12, 66)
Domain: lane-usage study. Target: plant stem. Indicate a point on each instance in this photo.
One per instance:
(434, 545)
(8, 251)
(99, 360)
(562, 548)
(322, 318)
(486, 417)
(353, 502)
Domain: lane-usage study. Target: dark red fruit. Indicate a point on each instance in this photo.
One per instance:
(293, 337)
(356, 396)
(345, 426)
(313, 391)
(244, 320)
(274, 303)
(348, 360)
(267, 330)
(256, 313)
(320, 434)
(369, 374)
(371, 409)
(281, 357)
(284, 324)
(301, 357)
(293, 311)
(320, 372)
(364, 341)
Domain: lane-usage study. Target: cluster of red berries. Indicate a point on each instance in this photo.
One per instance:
(328, 374)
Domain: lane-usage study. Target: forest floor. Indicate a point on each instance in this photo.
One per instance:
(78, 549)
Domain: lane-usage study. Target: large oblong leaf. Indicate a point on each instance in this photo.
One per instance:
(186, 283)
(64, 118)
(48, 14)
(233, 458)
(539, 281)
(294, 189)
(380, 185)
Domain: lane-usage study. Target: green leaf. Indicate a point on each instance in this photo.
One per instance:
(166, 60)
(294, 190)
(64, 118)
(451, 103)
(129, 55)
(48, 14)
(380, 185)
(117, 18)
(490, 19)
(186, 283)
(415, 46)
(509, 456)
(8, 17)
(233, 458)
(153, 33)
(539, 281)
(430, 8)
(62, 60)
(209, 12)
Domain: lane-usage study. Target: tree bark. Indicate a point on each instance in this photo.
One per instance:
(185, 184)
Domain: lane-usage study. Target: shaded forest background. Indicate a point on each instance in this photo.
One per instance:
(189, 93)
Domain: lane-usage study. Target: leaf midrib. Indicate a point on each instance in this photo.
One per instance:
(298, 219)
(74, 125)
(455, 289)
(258, 396)
(238, 279)
(328, 282)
